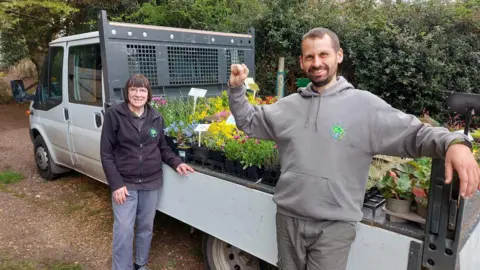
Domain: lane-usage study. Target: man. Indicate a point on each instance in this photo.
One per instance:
(327, 134)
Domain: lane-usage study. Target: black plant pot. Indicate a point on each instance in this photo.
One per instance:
(171, 142)
(201, 152)
(253, 172)
(230, 166)
(240, 171)
(216, 155)
(271, 176)
(185, 153)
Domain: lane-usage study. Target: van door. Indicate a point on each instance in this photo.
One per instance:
(50, 106)
(85, 100)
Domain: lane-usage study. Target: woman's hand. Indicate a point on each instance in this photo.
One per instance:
(120, 195)
(183, 168)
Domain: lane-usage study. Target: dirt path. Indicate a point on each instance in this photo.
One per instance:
(67, 223)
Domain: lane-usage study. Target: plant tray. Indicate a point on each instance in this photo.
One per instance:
(403, 217)
(235, 171)
(373, 200)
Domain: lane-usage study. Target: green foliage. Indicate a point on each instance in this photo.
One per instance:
(218, 15)
(174, 109)
(12, 48)
(407, 180)
(233, 150)
(254, 152)
(407, 53)
(393, 186)
(423, 50)
(10, 177)
(27, 26)
(272, 159)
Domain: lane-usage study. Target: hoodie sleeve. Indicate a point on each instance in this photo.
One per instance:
(108, 141)
(249, 118)
(400, 134)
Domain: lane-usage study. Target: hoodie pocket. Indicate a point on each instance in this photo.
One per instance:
(304, 193)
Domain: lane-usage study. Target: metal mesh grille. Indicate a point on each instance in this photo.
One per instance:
(234, 57)
(192, 65)
(142, 59)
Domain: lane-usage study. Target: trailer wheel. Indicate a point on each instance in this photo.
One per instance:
(219, 255)
(43, 159)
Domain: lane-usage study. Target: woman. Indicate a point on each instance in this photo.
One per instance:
(133, 147)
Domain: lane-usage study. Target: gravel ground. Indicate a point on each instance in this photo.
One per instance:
(67, 223)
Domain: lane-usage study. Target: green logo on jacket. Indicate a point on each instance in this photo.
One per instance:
(153, 132)
(337, 132)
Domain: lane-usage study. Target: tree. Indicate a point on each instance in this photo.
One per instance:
(216, 15)
(29, 25)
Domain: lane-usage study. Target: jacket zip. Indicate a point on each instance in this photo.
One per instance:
(141, 167)
(142, 140)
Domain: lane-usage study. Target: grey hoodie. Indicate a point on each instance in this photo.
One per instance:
(327, 142)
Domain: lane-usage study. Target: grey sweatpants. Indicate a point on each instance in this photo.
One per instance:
(141, 207)
(313, 245)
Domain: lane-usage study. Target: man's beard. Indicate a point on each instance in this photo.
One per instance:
(319, 82)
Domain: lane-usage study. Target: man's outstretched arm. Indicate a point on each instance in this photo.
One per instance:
(249, 118)
(400, 134)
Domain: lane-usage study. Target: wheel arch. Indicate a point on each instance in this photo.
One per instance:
(37, 130)
(207, 258)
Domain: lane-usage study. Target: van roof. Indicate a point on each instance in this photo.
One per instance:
(145, 27)
(76, 37)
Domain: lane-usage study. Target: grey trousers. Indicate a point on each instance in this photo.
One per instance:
(141, 207)
(313, 245)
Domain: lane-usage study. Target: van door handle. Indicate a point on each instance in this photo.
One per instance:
(65, 114)
(98, 119)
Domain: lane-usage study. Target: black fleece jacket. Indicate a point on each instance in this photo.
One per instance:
(133, 157)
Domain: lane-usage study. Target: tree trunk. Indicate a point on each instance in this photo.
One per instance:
(38, 58)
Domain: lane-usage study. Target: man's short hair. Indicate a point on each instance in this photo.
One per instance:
(320, 33)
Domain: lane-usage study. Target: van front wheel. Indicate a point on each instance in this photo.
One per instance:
(43, 159)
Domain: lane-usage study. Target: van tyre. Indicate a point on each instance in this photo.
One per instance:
(43, 159)
(218, 255)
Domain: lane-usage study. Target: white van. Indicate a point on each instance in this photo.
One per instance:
(84, 74)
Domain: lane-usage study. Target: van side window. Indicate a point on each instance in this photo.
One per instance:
(85, 75)
(49, 91)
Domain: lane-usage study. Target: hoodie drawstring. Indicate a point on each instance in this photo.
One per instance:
(308, 114)
(318, 109)
(310, 110)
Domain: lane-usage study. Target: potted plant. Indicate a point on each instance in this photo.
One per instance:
(254, 153)
(200, 152)
(215, 148)
(215, 139)
(421, 186)
(233, 154)
(396, 188)
(272, 167)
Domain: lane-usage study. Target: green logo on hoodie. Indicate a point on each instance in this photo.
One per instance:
(153, 132)
(337, 132)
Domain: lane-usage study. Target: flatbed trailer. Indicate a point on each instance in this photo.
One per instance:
(241, 213)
